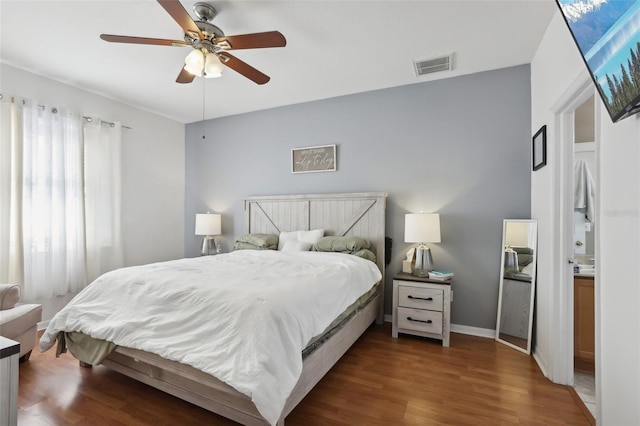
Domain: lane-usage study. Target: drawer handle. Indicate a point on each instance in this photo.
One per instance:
(420, 298)
(415, 320)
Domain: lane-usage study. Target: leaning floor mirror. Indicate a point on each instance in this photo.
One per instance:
(517, 283)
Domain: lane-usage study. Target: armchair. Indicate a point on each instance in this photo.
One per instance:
(18, 321)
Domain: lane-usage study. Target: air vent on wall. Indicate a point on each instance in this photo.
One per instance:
(429, 66)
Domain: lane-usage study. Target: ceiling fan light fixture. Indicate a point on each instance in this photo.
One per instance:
(194, 62)
(206, 38)
(213, 66)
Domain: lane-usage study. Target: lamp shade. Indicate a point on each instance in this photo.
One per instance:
(422, 228)
(194, 62)
(517, 234)
(213, 67)
(208, 224)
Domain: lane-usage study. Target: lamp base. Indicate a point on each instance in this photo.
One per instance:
(422, 262)
(511, 261)
(208, 246)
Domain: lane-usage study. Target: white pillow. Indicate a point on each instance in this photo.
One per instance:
(296, 246)
(310, 237)
(287, 236)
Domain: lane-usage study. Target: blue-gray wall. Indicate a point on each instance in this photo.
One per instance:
(459, 147)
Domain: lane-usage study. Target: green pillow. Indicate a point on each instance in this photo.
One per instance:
(259, 241)
(239, 245)
(365, 254)
(341, 244)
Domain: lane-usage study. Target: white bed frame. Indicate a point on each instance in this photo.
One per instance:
(361, 214)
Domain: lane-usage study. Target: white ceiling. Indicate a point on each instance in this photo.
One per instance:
(333, 48)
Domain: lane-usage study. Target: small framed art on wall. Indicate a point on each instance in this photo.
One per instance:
(540, 148)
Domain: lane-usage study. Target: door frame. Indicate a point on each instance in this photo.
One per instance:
(560, 365)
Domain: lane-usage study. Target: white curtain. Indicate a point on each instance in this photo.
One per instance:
(10, 193)
(55, 185)
(102, 143)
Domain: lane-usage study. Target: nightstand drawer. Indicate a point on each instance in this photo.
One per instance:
(420, 298)
(420, 320)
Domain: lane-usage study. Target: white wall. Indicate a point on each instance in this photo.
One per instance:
(618, 357)
(152, 161)
(553, 71)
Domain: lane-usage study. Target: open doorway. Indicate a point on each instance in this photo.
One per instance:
(584, 224)
(561, 361)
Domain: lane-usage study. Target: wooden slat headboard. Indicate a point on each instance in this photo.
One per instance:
(356, 214)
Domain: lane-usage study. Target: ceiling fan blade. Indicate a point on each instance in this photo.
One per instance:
(243, 68)
(185, 77)
(253, 41)
(141, 40)
(182, 17)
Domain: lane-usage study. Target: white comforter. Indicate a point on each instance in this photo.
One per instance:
(243, 317)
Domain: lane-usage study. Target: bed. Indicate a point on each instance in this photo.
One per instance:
(362, 215)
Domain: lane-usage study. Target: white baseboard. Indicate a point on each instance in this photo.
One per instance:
(541, 363)
(462, 329)
(473, 331)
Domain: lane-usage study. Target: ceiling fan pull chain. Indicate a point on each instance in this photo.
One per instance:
(203, 104)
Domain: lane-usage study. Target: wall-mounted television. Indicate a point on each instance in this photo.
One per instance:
(607, 33)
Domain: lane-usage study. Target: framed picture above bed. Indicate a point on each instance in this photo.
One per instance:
(540, 148)
(313, 159)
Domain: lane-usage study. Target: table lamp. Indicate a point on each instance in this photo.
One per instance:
(516, 235)
(422, 228)
(208, 224)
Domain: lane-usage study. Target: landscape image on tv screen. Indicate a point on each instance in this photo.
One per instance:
(607, 33)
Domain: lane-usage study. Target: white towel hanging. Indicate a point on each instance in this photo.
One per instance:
(584, 190)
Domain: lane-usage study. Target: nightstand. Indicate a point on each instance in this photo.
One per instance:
(9, 353)
(421, 307)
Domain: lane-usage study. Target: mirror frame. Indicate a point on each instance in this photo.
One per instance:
(534, 222)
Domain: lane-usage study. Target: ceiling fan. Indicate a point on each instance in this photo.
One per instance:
(210, 46)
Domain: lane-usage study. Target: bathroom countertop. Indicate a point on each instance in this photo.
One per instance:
(584, 274)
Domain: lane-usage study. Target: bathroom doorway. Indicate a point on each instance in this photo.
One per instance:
(584, 223)
(561, 361)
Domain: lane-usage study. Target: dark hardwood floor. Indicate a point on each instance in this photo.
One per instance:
(380, 381)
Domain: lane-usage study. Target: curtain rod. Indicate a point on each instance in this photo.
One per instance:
(55, 110)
